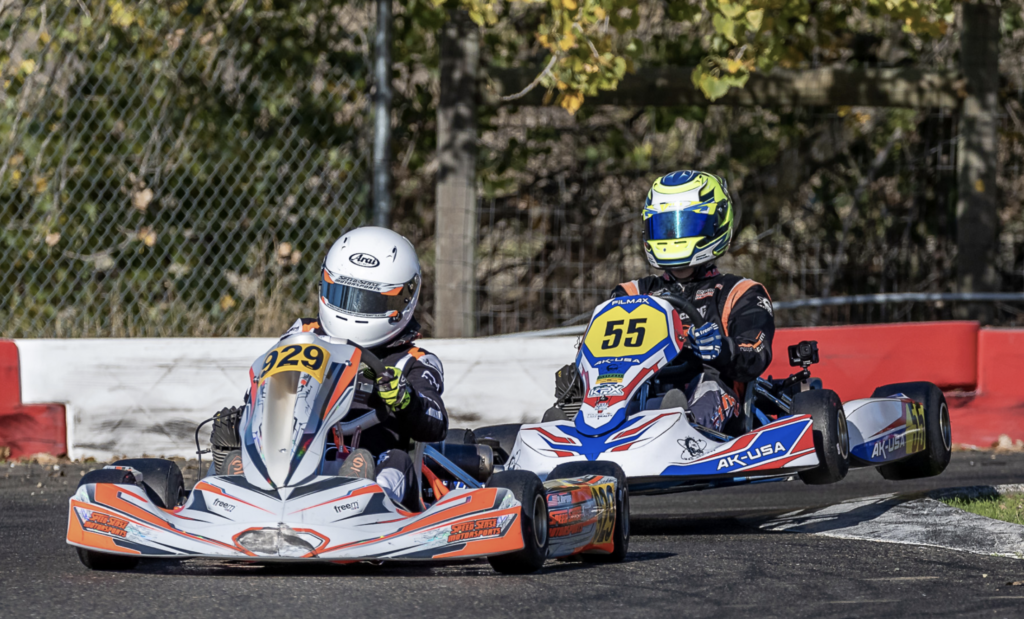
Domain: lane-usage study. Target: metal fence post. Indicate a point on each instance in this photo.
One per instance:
(977, 159)
(456, 231)
(382, 116)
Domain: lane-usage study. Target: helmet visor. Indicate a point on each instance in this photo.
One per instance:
(368, 299)
(680, 225)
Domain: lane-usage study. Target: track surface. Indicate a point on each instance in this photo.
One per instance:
(693, 555)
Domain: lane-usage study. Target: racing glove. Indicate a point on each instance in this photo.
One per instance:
(706, 341)
(394, 389)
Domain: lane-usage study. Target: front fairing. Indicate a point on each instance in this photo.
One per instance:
(299, 389)
(628, 340)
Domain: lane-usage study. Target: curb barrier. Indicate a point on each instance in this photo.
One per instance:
(27, 429)
(996, 406)
(136, 396)
(857, 359)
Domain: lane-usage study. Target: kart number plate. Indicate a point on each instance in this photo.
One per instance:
(308, 358)
(621, 333)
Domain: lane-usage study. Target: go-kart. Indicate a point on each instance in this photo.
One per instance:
(289, 504)
(629, 414)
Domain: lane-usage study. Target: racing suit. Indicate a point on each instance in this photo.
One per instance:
(423, 419)
(743, 311)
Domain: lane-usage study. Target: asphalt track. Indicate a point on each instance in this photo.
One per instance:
(692, 555)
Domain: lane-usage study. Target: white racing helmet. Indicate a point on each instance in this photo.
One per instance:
(369, 286)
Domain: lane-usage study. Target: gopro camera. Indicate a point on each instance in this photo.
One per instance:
(803, 354)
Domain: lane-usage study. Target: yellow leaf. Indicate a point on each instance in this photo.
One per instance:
(599, 13)
(979, 186)
(755, 19)
(147, 236)
(39, 184)
(52, 238)
(570, 5)
(44, 37)
(227, 302)
(16, 175)
(28, 66)
(567, 42)
(732, 65)
(731, 10)
(571, 101)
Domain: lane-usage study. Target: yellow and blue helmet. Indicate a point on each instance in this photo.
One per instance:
(687, 219)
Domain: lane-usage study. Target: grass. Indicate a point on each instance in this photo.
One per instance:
(1008, 507)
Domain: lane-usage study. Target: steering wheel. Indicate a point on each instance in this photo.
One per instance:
(370, 419)
(686, 308)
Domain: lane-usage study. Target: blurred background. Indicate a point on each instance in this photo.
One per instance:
(180, 168)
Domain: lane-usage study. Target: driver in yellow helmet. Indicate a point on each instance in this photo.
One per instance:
(688, 224)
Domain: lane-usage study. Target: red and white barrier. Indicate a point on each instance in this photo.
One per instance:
(104, 398)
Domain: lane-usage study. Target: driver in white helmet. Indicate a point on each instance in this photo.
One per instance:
(369, 287)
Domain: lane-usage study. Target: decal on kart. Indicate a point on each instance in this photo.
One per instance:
(903, 437)
(771, 447)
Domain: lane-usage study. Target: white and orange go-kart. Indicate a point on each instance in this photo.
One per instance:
(286, 506)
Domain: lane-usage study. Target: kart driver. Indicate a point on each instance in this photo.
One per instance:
(369, 287)
(688, 224)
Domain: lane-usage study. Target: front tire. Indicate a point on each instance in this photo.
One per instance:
(103, 562)
(161, 478)
(620, 532)
(831, 437)
(937, 427)
(528, 490)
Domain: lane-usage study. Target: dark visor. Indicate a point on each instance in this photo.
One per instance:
(679, 225)
(354, 300)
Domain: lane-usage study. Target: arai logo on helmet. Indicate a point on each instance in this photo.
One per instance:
(364, 260)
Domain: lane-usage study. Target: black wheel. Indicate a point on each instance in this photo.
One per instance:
(504, 434)
(831, 437)
(554, 414)
(529, 491)
(106, 562)
(937, 430)
(620, 533)
(460, 436)
(161, 478)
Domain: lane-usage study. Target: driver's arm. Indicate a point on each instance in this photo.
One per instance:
(425, 418)
(749, 323)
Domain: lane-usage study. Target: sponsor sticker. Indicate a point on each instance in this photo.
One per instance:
(228, 507)
(916, 436)
(364, 260)
(606, 390)
(485, 527)
(744, 459)
(103, 523)
(703, 294)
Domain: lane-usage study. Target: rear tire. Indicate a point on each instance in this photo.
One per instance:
(620, 534)
(161, 478)
(104, 562)
(831, 437)
(528, 490)
(938, 432)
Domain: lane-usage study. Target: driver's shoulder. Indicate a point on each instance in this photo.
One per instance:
(408, 355)
(305, 325)
(643, 285)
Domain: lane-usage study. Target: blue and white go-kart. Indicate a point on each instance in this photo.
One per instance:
(788, 428)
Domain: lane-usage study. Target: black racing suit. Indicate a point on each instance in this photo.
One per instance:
(744, 314)
(424, 419)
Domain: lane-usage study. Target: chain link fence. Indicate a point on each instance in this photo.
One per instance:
(854, 201)
(176, 169)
